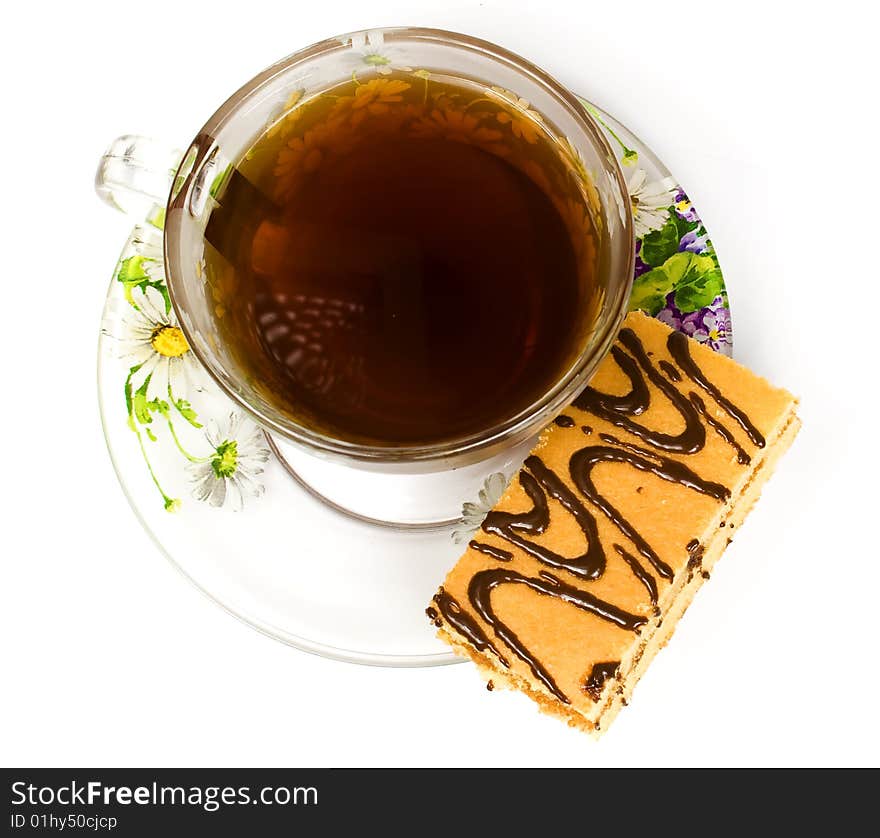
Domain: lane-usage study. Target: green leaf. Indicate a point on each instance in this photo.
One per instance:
(131, 271)
(650, 290)
(677, 267)
(141, 408)
(681, 224)
(131, 372)
(128, 396)
(132, 275)
(698, 289)
(184, 408)
(696, 281)
(659, 245)
(703, 264)
(151, 435)
(159, 406)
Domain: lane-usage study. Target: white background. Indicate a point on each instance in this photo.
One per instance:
(768, 117)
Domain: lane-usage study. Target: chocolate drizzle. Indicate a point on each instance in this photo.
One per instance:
(584, 461)
(535, 521)
(466, 625)
(742, 456)
(677, 344)
(510, 525)
(479, 593)
(618, 410)
(627, 446)
(675, 472)
(564, 421)
(633, 403)
(489, 550)
(599, 674)
(671, 372)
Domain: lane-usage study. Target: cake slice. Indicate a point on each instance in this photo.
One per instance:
(579, 574)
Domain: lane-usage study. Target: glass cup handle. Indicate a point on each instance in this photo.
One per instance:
(135, 174)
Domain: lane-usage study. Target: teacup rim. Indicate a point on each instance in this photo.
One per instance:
(444, 453)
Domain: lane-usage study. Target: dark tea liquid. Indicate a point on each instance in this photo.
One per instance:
(387, 273)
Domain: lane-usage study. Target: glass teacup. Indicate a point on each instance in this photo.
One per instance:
(404, 485)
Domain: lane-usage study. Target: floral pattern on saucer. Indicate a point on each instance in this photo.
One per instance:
(677, 277)
(162, 385)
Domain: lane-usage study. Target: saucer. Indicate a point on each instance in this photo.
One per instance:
(203, 481)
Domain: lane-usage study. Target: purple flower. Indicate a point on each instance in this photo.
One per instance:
(692, 243)
(683, 207)
(640, 266)
(710, 325)
(670, 315)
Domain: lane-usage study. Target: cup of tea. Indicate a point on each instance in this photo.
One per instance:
(402, 252)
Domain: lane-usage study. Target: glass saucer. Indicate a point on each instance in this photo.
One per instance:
(201, 478)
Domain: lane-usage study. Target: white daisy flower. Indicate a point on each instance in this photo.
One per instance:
(473, 514)
(650, 201)
(368, 52)
(148, 337)
(153, 257)
(229, 475)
